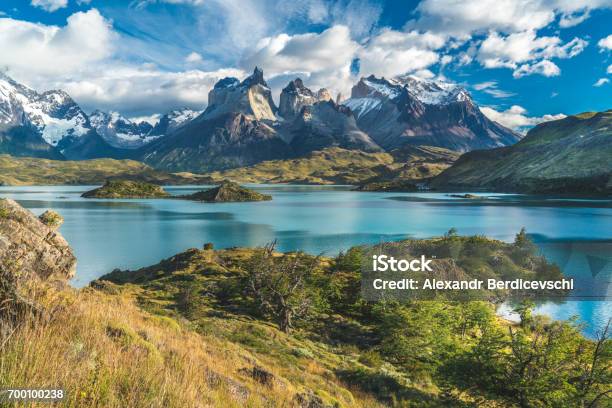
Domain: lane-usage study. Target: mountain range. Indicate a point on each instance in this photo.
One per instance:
(242, 126)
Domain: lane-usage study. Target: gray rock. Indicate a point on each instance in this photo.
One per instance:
(29, 248)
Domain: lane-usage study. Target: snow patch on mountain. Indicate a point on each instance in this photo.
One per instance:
(433, 92)
(53, 113)
(121, 132)
(362, 106)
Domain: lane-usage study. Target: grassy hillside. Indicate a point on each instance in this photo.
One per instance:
(341, 166)
(16, 171)
(192, 331)
(570, 155)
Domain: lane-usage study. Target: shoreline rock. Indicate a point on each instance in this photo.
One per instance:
(31, 246)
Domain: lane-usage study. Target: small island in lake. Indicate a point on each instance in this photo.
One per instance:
(227, 191)
(396, 186)
(467, 195)
(127, 189)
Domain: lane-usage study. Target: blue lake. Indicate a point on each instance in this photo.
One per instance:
(128, 234)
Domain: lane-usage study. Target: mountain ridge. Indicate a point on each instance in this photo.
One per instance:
(569, 155)
(242, 126)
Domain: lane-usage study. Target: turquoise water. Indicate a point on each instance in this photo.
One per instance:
(128, 234)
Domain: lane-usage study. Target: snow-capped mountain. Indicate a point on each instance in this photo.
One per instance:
(423, 112)
(242, 126)
(173, 120)
(121, 132)
(52, 114)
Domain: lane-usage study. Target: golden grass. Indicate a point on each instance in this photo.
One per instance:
(104, 351)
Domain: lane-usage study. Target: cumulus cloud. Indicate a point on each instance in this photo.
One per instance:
(462, 18)
(516, 117)
(509, 51)
(34, 49)
(600, 82)
(605, 43)
(544, 67)
(142, 90)
(609, 70)
(392, 53)
(193, 57)
(323, 59)
(50, 5)
(79, 58)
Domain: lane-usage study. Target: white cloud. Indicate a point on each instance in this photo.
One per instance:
(461, 18)
(490, 87)
(392, 53)
(544, 67)
(142, 90)
(152, 119)
(515, 117)
(498, 51)
(323, 59)
(193, 57)
(30, 49)
(601, 81)
(609, 70)
(50, 5)
(526, 53)
(605, 43)
(80, 59)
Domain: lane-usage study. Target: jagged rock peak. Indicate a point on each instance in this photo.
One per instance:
(256, 78)
(250, 97)
(227, 82)
(324, 95)
(297, 86)
(295, 96)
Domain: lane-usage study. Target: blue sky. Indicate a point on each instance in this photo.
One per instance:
(524, 61)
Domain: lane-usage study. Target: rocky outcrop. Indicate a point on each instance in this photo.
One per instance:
(32, 247)
(327, 124)
(251, 97)
(294, 97)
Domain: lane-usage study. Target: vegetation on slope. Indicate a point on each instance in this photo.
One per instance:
(126, 189)
(341, 166)
(570, 155)
(227, 191)
(17, 171)
(418, 353)
(257, 328)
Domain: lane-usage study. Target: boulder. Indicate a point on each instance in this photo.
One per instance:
(31, 246)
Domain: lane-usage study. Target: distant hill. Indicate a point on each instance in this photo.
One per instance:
(33, 171)
(570, 155)
(342, 166)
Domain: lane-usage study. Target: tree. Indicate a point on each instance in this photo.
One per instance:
(280, 284)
